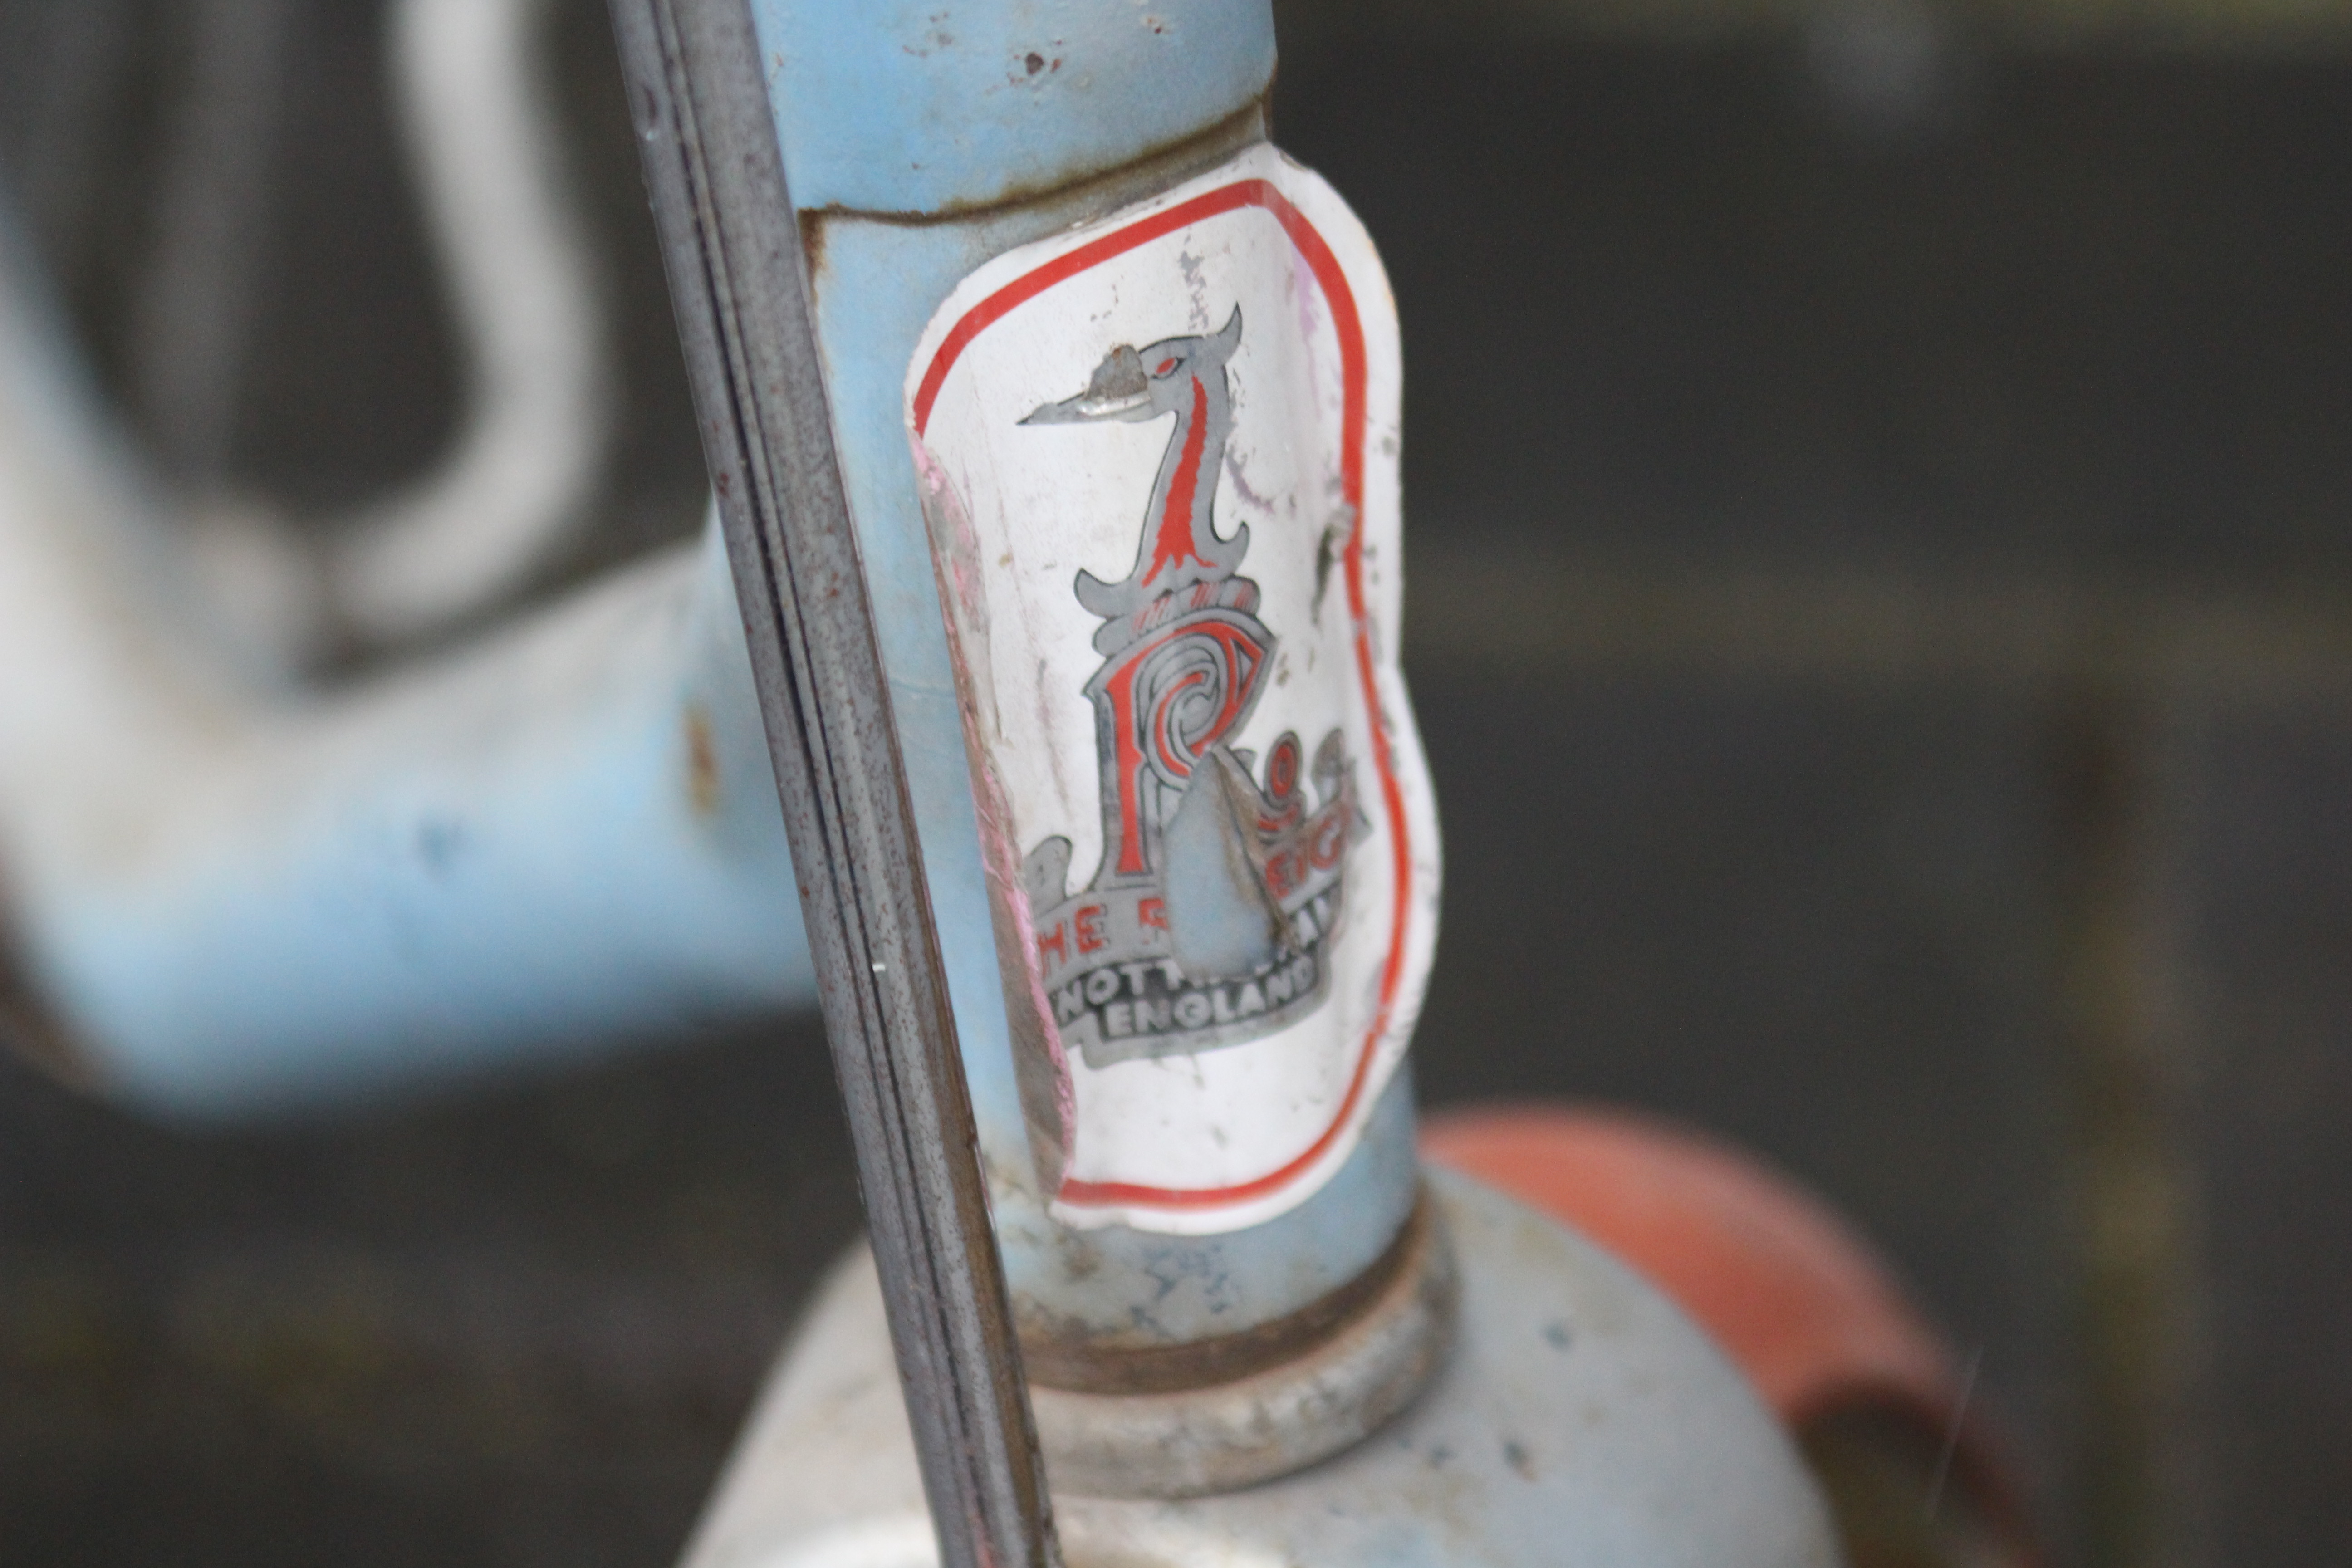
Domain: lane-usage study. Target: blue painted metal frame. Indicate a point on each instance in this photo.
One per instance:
(920, 141)
(565, 838)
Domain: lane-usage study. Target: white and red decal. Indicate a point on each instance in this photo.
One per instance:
(1159, 462)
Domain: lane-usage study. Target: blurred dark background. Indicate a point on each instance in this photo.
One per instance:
(1881, 510)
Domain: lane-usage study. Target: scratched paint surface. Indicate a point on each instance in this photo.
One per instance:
(1160, 454)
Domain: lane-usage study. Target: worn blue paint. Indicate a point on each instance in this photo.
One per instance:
(504, 858)
(879, 118)
(928, 106)
(236, 899)
(466, 870)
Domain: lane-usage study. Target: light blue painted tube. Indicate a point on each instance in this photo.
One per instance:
(234, 899)
(238, 902)
(567, 841)
(919, 144)
(931, 110)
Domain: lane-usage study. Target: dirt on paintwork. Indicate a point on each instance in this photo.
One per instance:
(701, 762)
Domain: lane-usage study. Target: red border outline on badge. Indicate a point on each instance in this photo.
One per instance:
(1317, 254)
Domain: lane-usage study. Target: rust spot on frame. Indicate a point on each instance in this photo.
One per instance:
(1203, 141)
(1131, 1364)
(701, 762)
(27, 1027)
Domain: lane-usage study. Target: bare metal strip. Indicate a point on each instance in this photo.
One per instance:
(739, 284)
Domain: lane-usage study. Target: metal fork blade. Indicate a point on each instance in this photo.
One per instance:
(739, 281)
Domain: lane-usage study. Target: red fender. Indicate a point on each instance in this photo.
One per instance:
(1791, 1293)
